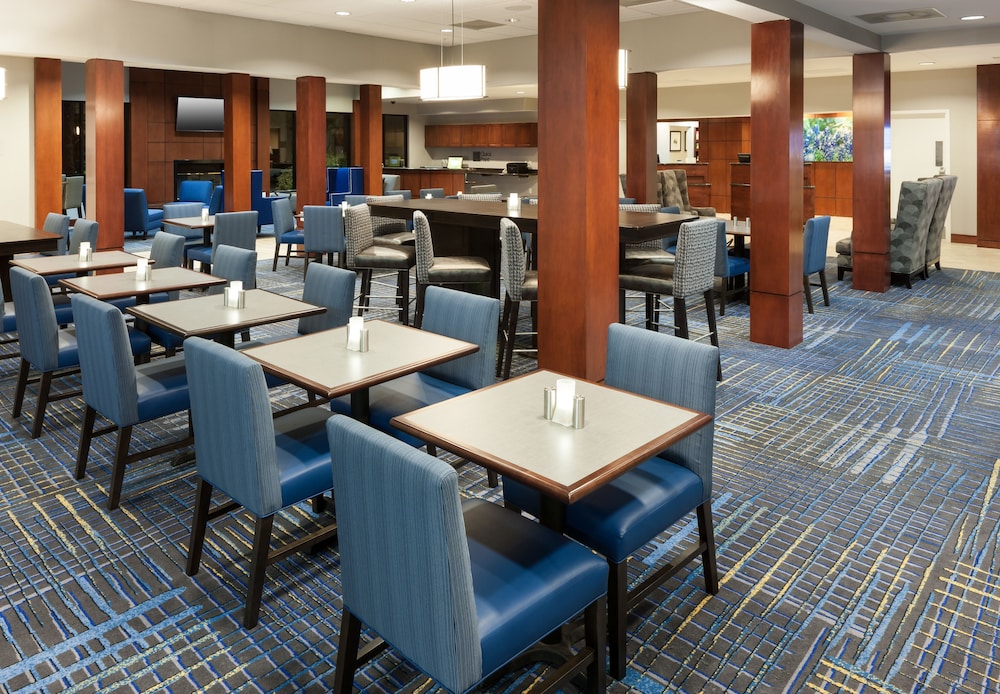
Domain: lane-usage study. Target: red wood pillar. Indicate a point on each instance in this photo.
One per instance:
(236, 141)
(776, 183)
(578, 193)
(370, 127)
(106, 150)
(356, 133)
(640, 137)
(48, 138)
(262, 113)
(310, 140)
(870, 245)
(988, 155)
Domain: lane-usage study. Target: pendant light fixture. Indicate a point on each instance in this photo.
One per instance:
(453, 82)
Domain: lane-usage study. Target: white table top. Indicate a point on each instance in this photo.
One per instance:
(123, 284)
(192, 222)
(320, 362)
(59, 264)
(502, 427)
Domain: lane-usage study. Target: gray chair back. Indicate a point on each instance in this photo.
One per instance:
(358, 231)
(483, 188)
(167, 250)
(908, 239)
(179, 210)
(83, 230)
(37, 329)
(512, 260)
(332, 288)
(468, 317)
(694, 269)
(424, 246)
(935, 233)
(233, 263)
(323, 229)
(237, 229)
(382, 226)
(433, 192)
(283, 215)
(56, 223)
(642, 207)
(420, 525)
(73, 193)
(484, 197)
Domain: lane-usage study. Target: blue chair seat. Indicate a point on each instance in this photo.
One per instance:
(296, 237)
(64, 314)
(203, 254)
(736, 266)
(161, 388)
(69, 354)
(9, 323)
(520, 600)
(401, 395)
(620, 517)
(303, 454)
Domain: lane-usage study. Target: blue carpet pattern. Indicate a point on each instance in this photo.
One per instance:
(856, 506)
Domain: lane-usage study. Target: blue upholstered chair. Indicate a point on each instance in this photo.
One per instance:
(180, 210)
(433, 192)
(332, 288)
(73, 195)
(470, 586)
(520, 284)
(632, 510)
(814, 242)
(217, 203)
(44, 346)
(195, 191)
(323, 233)
(364, 256)
(285, 233)
(139, 219)
(262, 463)
(121, 392)
(461, 315)
(237, 229)
(166, 251)
(729, 266)
(83, 230)
(442, 270)
(56, 223)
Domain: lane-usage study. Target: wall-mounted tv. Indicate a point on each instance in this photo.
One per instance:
(197, 114)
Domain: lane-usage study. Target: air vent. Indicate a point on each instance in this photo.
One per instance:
(477, 24)
(900, 16)
(635, 3)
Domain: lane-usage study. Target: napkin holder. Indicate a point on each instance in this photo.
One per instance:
(143, 271)
(357, 335)
(234, 297)
(562, 405)
(86, 252)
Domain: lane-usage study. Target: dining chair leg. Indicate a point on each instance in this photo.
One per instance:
(366, 287)
(808, 291)
(502, 342)
(403, 288)
(680, 318)
(617, 614)
(824, 287)
(347, 653)
(44, 388)
(595, 628)
(511, 328)
(118, 468)
(199, 525)
(713, 330)
(86, 434)
(722, 296)
(706, 533)
(277, 247)
(418, 313)
(22, 385)
(305, 264)
(258, 567)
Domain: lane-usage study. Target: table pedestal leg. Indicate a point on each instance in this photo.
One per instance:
(360, 409)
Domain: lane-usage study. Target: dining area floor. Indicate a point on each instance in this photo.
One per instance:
(855, 503)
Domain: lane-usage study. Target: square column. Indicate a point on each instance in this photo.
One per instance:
(236, 142)
(370, 136)
(640, 137)
(48, 138)
(310, 140)
(106, 150)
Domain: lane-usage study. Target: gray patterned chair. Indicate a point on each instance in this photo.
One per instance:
(672, 190)
(364, 255)
(483, 197)
(651, 251)
(389, 231)
(520, 284)
(935, 234)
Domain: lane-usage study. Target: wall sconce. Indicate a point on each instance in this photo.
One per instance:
(622, 68)
(3, 83)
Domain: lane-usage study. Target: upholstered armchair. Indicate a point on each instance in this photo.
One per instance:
(672, 190)
(936, 231)
(682, 184)
(139, 219)
(195, 191)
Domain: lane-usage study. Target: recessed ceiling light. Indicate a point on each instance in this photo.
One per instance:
(407, 0)
(512, 20)
(342, 13)
(973, 17)
(927, 62)
(520, 91)
(447, 31)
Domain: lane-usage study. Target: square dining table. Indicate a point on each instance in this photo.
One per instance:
(71, 264)
(321, 363)
(208, 316)
(206, 224)
(124, 284)
(19, 238)
(502, 427)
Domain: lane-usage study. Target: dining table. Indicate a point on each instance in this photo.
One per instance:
(70, 264)
(206, 224)
(121, 285)
(209, 316)
(18, 238)
(321, 362)
(740, 231)
(503, 428)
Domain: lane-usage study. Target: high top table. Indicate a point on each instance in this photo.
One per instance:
(18, 238)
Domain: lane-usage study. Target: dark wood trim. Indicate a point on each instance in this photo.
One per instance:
(640, 137)
(48, 138)
(262, 129)
(963, 238)
(370, 127)
(310, 141)
(988, 154)
(106, 150)
(236, 141)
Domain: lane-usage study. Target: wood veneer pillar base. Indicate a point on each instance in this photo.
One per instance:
(870, 272)
(783, 324)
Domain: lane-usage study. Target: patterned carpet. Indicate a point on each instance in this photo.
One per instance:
(856, 510)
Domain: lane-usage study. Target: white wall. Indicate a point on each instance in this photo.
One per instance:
(17, 136)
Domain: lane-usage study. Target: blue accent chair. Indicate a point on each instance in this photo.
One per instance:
(237, 229)
(463, 316)
(83, 230)
(332, 288)
(343, 181)
(469, 586)
(323, 233)
(218, 202)
(45, 347)
(121, 392)
(631, 511)
(258, 201)
(178, 210)
(285, 233)
(261, 462)
(167, 251)
(814, 241)
(56, 223)
(727, 267)
(195, 191)
(139, 219)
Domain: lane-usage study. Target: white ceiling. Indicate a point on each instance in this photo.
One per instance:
(947, 42)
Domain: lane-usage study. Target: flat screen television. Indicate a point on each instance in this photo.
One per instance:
(743, 158)
(197, 114)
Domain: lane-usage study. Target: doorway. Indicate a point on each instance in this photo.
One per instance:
(920, 148)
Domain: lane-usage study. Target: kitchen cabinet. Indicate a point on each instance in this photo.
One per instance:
(482, 135)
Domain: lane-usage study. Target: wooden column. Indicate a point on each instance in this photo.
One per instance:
(48, 138)
(370, 127)
(310, 140)
(236, 141)
(870, 245)
(262, 113)
(578, 193)
(988, 155)
(640, 137)
(776, 302)
(356, 132)
(106, 150)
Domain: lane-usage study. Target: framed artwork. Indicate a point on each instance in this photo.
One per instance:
(675, 140)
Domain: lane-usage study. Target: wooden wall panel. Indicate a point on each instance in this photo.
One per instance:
(48, 138)
(988, 148)
(871, 106)
(310, 141)
(261, 131)
(640, 138)
(237, 145)
(776, 66)
(577, 215)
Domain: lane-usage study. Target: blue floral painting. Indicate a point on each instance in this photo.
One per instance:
(828, 139)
